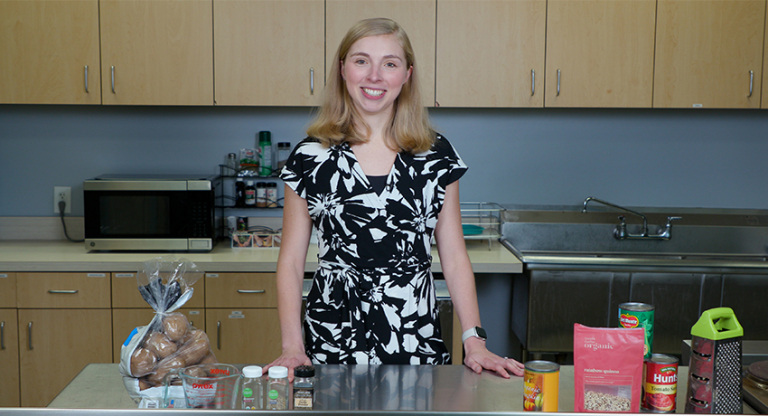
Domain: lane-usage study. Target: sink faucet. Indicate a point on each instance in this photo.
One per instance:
(621, 231)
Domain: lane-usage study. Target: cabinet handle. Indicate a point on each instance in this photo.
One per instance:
(29, 334)
(2, 335)
(113, 79)
(751, 82)
(62, 292)
(533, 82)
(312, 81)
(218, 335)
(558, 82)
(251, 290)
(86, 79)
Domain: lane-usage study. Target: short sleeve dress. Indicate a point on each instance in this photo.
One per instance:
(373, 297)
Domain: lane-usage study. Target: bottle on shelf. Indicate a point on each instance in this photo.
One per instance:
(283, 151)
(231, 169)
(261, 195)
(271, 194)
(265, 157)
(239, 193)
(250, 194)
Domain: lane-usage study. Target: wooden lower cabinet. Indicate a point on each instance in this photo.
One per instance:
(244, 336)
(55, 345)
(125, 320)
(9, 358)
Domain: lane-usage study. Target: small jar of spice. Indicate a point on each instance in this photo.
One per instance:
(304, 388)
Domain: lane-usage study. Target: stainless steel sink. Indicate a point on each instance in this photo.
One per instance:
(709, 237)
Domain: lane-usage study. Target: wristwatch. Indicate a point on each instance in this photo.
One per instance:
(474, 332)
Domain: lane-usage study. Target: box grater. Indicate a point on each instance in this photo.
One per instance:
(714, 374)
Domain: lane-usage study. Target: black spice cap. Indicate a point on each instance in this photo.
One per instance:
(304, 371)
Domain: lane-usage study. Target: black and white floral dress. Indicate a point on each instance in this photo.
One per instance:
(373, 297)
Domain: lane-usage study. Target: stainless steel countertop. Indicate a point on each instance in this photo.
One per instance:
(349, 389)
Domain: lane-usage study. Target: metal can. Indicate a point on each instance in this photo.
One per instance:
(638, 315)
(660, 384)
(542, 386)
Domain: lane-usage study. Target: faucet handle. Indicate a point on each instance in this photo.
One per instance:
(670, 219)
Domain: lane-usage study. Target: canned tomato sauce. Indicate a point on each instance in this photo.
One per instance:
(542, 384)
(638, 315)
(660, 384)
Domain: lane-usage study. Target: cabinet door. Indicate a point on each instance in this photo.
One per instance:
(263, 57)
(157, 52)
(600, 53)
(55, 345)
(9, 358)
(764, 97)
(63, 290)
(416, 17)
(125, 320)
(49, 53)
(707, 52)
(490, 53)
(241, 290)
(248, 336)
(7, 290)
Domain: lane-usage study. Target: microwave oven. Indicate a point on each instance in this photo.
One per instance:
(151, 212)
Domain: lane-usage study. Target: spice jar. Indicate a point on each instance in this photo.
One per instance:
(304, 388)
(253, 388)
(277, 388)
(261, 195)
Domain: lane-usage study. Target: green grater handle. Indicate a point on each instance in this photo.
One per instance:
(717, 324)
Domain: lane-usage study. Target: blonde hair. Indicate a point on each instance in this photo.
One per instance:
(338, 120)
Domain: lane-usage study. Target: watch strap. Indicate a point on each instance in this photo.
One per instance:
(475, 331)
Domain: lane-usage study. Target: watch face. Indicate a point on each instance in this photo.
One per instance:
(481, 332)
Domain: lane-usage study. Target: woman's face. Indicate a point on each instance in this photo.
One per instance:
(374, 72)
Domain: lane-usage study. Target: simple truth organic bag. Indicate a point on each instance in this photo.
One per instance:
(607, 369)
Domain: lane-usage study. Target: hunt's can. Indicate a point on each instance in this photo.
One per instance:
(638, 315)
(542, 384)
(660, 384)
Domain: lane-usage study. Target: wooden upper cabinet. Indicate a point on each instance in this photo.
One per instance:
(706, 53)
(49, 52)
(490, 53)
(158, 52)
(600, 53)
(269, 52)
(765, 62)
(416, 17)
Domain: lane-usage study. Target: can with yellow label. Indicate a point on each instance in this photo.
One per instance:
(542, 386)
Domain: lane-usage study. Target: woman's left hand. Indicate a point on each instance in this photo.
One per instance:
(478, 358)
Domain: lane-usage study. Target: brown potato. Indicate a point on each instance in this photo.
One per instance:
(209, 359)
(164, 367)
(159, 344)
(194, 351)
(144, 384)
(143, 362)
(175, 326)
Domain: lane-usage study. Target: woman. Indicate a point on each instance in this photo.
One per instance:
(377, 182)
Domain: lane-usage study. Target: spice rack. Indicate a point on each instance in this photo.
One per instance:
(481, 221)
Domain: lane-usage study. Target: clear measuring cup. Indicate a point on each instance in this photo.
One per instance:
(206, 386)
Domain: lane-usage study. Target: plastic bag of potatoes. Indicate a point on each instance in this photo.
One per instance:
(168, 341)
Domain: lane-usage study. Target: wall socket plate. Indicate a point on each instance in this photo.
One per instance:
(62, 193)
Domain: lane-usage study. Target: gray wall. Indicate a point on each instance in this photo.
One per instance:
(660, 158)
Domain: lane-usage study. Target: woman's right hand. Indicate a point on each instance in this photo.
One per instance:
(290, 359)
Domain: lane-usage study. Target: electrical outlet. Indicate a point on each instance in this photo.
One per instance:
(62, 193)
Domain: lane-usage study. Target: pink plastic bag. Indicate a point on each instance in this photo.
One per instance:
(607, 369)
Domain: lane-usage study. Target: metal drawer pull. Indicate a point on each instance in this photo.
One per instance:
(113, 79)
(751, 82)
(251, 290)
(533, 82)
(558, 82)
(218, 335)
(312, 81)
(65, 292)
(86, 79)
(2, 335)
(29, 334)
